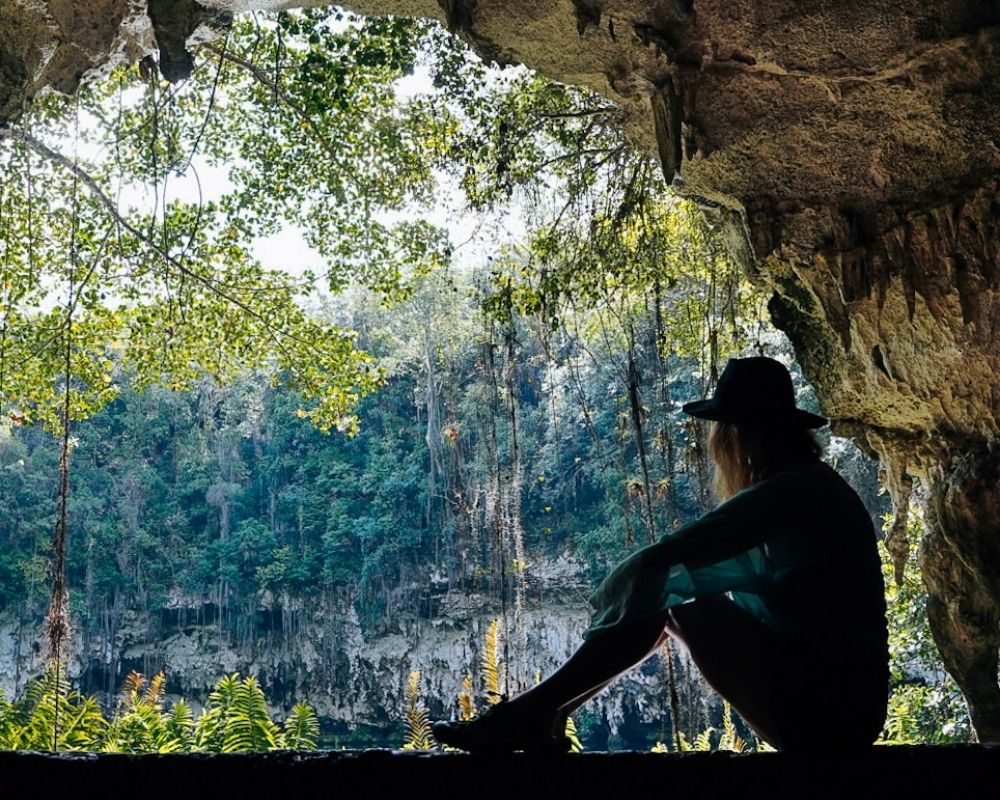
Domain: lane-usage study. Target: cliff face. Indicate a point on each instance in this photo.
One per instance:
(853, 149)
(320, 651)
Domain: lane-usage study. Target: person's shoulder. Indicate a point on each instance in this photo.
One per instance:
(814, 472)
(825, 490)
(807, 483)
(780, 490)
(793, 477)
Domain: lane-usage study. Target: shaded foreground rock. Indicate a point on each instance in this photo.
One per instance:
(884, 771)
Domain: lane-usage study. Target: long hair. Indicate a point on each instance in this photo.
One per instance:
(746, 453)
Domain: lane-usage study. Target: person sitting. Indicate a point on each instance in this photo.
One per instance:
(777, 593)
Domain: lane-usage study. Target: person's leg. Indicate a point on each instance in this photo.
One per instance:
(736, 654)
(595, 664)
(539, 714)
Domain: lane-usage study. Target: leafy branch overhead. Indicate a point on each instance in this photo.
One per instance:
(164, 289)
(298, 121)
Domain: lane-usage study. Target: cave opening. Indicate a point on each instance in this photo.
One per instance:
(845, 163)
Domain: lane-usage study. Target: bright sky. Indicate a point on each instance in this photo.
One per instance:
(472, 236)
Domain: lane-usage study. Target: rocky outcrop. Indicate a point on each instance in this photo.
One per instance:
(354, 675)
(58, 43)
(854, 151)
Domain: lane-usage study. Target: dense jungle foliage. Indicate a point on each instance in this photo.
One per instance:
(229, 491)
(166, 399)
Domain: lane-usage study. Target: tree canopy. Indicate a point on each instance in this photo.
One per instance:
(119, 259)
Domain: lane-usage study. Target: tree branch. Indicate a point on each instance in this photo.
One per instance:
(17, 134)
(268, 82)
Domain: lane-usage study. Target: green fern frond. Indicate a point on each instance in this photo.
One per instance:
(33, 723)
(7, 722)
(134, 682)
(492, 666)
(156, 690)
(208, 731)
(249, 726)
(418, 724)
(466, 702)
(730, 740)
(301, 728)
(575, 745)
(180, 726)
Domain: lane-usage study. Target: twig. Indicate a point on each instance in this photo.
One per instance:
(47, 152)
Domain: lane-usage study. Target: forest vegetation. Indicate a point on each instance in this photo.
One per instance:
(178, 419)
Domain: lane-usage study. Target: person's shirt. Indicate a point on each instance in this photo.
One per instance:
(797, 551)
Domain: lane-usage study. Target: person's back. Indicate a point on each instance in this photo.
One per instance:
(826, 600)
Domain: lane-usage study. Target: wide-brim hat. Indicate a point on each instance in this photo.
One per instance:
(754, 390)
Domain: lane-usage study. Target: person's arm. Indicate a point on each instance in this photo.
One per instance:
(737, 526)
(722, 551)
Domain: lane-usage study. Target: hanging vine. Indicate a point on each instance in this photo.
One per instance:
(57, 620)
(495, 494)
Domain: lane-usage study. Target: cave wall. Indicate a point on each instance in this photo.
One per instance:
(852, 148)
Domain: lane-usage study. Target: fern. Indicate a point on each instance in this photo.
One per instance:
(466, 703)
(156, 690)
(301, 728)
(575, 745)
(210, 730)
(249, 726)
(418, 726)
(180, 725)
(141, 725)
(6, 721)
(31, 724)
(703, 742)
(235, 718)
(731, 740)
(492, 666)
(131, 687)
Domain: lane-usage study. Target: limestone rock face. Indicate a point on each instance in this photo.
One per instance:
(852, 146)
(354, 676)
(56, 43)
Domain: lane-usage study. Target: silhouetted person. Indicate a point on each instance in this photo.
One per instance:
(777, 593)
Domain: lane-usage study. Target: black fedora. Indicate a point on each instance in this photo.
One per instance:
(754, 390)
